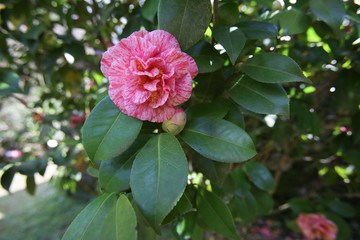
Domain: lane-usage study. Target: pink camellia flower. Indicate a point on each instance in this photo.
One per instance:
(317, 226)
(148, 75)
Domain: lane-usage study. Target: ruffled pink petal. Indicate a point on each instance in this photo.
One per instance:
(148, 75)
(163, 40)
(193, 69)
(183, 90)
(151, 85)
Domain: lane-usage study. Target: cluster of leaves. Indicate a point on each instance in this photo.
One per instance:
(252, 111)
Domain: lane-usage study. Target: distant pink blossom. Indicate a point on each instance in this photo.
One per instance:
(76, 120)
(148, 75)
(317, 226)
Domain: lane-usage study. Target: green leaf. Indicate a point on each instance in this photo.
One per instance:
(232, 41)
(215, 171)
(149, 9)
(330, 11)
(213, 110)
(259, 175)
(264, 200)
(30, 185)
(183, 206)
(208, 63)
(218, 140)
(35, 31)
(88, 224)
(273, 68)
(342, 208)
(214, 213)
(182, 19)
(242, 183)
(259, 97)
(289, 21)
(245, 207)
(228, 13)
(108, 132)
(258, 30)
(114, 174)
(7, 177)
(121, 222)
(158, 177)
(209, 85)
(9, 83)
(235, 115)
(300, 205)
(226, 190)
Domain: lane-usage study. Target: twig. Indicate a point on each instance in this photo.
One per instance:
(215, 19)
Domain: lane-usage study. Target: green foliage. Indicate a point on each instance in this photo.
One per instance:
(276, 95)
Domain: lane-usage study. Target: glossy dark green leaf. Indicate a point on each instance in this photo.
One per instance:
(146, 233)
(301, 205)
(218, 140)
(158, 177)
(289, 21)
(108, 132)
(342, 208)
(215, 214)
(215, 171)
(273, 68)
(226, 190)
(181, 18)
(259, 97)
(209, 85)
(228, 13)
(30, 185)
(7, 177)
(330, 11)
(121, 222)
(264, 200)
(235, 115)
(208, 63)
(183, 206)
(259, 175)
(114, 174)
(213, 110)
(149, 9)
(88, 224)
(242, 183)
(257, 29)
(232, 41)
(245, 207)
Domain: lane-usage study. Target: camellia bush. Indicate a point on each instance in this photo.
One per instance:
(195, 116)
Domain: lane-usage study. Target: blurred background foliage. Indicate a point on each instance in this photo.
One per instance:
(50, 80)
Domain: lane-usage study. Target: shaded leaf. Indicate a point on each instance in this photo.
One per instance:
(259, 175)
(245, 207)
(330, 11)
(214, 213)
(257, 29)
(232, 41)
(149, 9)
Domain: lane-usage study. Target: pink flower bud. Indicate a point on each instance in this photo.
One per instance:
(176, 123)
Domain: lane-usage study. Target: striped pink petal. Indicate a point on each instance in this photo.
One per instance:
(149, 75)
